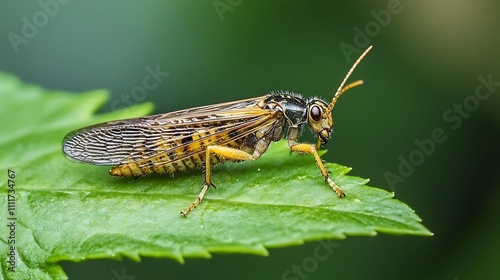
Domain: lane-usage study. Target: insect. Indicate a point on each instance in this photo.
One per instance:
(203, 136)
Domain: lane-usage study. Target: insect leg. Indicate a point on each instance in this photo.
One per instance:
(225, 153)
(311, 149)
(196, 201)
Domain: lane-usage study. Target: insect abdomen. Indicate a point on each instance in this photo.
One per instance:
(180, 157)
(137, 169)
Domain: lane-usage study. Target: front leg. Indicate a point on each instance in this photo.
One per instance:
(311, 149)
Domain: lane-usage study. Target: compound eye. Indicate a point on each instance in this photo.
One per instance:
(315, 113)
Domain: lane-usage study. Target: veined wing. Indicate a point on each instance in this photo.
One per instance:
(139, 139)
(172, 116)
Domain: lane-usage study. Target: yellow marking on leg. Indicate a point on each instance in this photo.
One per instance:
(311, 149)
(229, 153)
(225, 153)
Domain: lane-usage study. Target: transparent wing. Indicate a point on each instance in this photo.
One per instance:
(139, 139)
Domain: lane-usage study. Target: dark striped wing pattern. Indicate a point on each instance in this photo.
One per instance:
(137, 140)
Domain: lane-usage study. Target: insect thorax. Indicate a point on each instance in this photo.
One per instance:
(292, 105)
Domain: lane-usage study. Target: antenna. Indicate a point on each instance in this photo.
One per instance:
(343, 89)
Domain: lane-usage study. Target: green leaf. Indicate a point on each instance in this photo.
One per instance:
(71, 211)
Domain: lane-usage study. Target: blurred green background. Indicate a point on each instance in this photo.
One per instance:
(426, 61)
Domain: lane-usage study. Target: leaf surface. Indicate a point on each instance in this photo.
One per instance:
(71, 211)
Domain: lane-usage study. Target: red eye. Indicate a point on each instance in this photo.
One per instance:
(315, 113)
